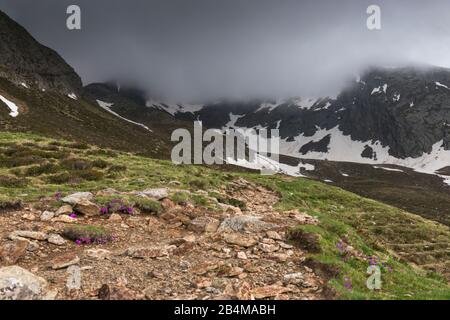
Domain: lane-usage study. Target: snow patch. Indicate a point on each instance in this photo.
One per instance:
(233, 119)
(72, 96)
(269, 106)
(106, 106)
(446, 179)
(343, 148)
(304, 103)
(23, 84)
(388, 169)
(380, 89)
(11, 105)
(441, 85)
(261, 162)
(174, 108)
(396, 97)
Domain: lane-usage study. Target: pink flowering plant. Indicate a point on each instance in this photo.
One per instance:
(116, 205)
(85, 234)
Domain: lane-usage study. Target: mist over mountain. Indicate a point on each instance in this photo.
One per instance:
(205, 50)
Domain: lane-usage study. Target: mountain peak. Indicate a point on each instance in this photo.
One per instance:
(23, 60)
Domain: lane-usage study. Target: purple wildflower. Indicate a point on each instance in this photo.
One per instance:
(104, 210)
(340, 246)
(73, 215)
(373, 261)
(348, 283)
(78, 242)
(58, 196)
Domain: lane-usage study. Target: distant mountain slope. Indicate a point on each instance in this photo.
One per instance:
(25, 61)
(393, 115)
(59, 116)
(41, 93)
(130, 103)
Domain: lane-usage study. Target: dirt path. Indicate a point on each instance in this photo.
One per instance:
(185, 253)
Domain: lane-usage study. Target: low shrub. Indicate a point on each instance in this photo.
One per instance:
(8, 181)
(147, 205)
(85, 234)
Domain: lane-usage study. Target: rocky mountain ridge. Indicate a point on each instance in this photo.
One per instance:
(26, 62)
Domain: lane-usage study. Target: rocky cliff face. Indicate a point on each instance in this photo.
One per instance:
(391, 115)
(25, 61)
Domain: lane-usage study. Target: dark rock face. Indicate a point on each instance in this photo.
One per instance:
(368, 153)
(320, 146)
(405, 109)
(24, 60)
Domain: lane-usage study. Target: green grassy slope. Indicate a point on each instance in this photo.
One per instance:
(32, 166)
(59, 116)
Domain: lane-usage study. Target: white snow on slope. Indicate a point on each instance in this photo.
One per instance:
(107, 106)
(304, 103)
(261, 162)
(446, 179)
(72, 96)
(441, 85)
(343, 148)
(233, 119)
(379, 89)
(174, 108)
(269, 106)
(388, 169)
(11, 105)
(23, 84)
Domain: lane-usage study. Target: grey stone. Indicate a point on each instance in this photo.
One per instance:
(17, 283)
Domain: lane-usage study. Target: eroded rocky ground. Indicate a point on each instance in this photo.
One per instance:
(183, 252)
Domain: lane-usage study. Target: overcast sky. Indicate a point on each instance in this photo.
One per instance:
(208, 49)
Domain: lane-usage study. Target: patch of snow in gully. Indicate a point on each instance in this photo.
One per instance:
(12, 106)
(106, 106)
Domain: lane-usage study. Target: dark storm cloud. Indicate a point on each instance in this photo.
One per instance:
(207, 49)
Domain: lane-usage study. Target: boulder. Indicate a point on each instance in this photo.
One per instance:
(74, 198)
(64, 261)
(64, 219)
(268, 248)
(98, 254)
(147, 252)
(35, 235)
(64, 210)
(10, 253)
(245, 223)
(115, 218)
(74, 278)
(87, 208)
(56, 239)
(230, 208)
(47, 216)
(17, 283)
(107, 292)
(273, 235)
(268, 291)
(239, 240)
(204, 224)
(157, 193)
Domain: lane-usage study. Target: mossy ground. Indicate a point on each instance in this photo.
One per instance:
(400, 239)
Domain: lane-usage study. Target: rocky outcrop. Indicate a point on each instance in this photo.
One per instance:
(24, 60)
(17, 283)
(387, 113)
